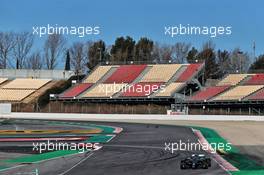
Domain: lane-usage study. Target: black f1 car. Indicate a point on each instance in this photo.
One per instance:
(196, 161)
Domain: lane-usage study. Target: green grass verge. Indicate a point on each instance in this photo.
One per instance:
(100, 139)
(55, 154)
(2, 167)
(105, 129)
(248, 172)
(243, 163)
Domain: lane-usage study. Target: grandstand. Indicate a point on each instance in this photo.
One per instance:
(161, 73)
(189, 72)
(238, 93)
(141, 89)
(125, 74)
(2, 80)
(169, 90)
(103, 91)
(14, 94)
(242, 93)
(25, 83)
(157, 85)
(234, 87)
(232, 79)
(257, 79)
(76, 90)
(18, 89)
(207, 93)
(133, 82)
(257, 96)
(97, 74)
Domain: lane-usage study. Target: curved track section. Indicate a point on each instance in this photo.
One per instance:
(138, 149)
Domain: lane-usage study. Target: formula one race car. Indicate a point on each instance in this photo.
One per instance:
(196, 161)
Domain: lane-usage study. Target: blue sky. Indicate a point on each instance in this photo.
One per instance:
(139, 18)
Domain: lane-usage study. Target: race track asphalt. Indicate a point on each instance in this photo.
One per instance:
(138, 150)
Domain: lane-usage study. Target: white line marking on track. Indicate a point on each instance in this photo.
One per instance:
(41, 161)
(13, 167)
(134, 146)
(112, 136)
(65, 172)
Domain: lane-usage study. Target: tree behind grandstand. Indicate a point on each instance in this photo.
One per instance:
(54, 47)
(96, 54)
(7, 43)
(16, 52)
(78, 55)
(23, 44)
(122, 50)
(34, 61)
(258, 65)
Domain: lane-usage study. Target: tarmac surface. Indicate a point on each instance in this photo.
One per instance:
(138, 149)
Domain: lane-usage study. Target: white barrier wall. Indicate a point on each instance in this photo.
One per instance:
(5, 108)
(27, 73)
(109, 117)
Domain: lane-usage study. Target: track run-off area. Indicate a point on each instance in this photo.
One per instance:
(126, 148)
(25, 142)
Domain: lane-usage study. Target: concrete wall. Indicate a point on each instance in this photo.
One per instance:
(113, 117)
(5, 108)
(27, 73)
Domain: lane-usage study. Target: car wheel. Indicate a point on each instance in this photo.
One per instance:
(183, 167)
(205, 166)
